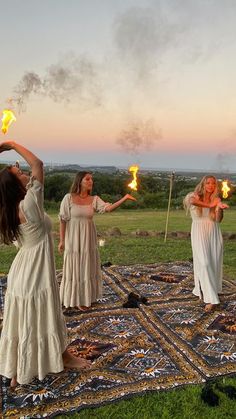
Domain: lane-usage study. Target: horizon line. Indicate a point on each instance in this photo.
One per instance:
(172, 169)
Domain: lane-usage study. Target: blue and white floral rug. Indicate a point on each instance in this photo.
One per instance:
(168, 342)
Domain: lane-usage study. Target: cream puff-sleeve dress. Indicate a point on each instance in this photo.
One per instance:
(82, 278)
(207, 248)
(34, 334)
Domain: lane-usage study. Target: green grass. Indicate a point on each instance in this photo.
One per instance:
(131, 220)
(178, 403)
(128, 249)
(182, 403)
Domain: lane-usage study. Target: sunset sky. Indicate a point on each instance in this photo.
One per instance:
(116, 82)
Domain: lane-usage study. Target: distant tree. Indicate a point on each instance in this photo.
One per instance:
(149, 183)
(56, 186)
(111, 184)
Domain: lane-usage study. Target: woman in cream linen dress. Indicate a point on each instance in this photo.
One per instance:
(33, 339)
(207, 244)
(82, 279)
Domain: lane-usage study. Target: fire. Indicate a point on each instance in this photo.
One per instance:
(7, 119)
(133, 185)
(225, 189)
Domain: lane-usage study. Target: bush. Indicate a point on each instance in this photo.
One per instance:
(56, 186)
(51, 205)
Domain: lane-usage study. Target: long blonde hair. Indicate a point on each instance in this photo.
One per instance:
(199, 191)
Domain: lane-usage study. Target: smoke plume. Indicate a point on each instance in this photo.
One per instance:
(138, 136)
(73, 80)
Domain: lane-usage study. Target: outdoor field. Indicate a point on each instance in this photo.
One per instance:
(130, 249)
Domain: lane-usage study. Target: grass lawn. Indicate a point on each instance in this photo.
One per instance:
(179, 403)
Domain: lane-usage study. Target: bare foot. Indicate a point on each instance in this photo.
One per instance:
(83, 308)
(13, 382)
(71, 361)
(210, 307)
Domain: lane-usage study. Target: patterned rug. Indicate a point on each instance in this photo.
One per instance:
(166, 343)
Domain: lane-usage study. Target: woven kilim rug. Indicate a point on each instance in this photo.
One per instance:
(168, 343)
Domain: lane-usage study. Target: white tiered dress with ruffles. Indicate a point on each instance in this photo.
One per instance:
(34, 334)
(81, 283)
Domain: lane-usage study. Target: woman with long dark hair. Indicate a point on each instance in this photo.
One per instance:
(206, 210)
(82, 278)
(33, 340)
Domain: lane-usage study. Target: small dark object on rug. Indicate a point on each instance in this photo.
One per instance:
(106, 264)
(139, 298)
(209, 396)
(230, 391)
(134, 300)
(131, 303)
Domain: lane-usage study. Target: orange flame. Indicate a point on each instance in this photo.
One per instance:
(225, 189)
(7, 119)
(133, 185)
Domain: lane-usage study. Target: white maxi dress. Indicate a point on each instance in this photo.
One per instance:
(34, 334)
(82, 277)
(207, 248)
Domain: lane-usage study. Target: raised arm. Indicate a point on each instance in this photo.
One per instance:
(217, 205)
(116, 204)
(34, 162)
(195, 200)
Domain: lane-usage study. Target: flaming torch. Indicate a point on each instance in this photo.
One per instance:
(133, 185)
(7, 119)
(172, 176)
(225, 189)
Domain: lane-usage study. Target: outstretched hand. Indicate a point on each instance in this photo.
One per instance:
(128, 196)
(222, 205)
(6, 146)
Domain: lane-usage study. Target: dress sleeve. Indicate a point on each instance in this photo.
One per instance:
(32, 204)
(99, 205)
(188, 198)
(64, 214)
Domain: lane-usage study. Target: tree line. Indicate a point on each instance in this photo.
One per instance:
(153, 189)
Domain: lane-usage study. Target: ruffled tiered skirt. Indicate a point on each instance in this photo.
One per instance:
(34, 334)
(82, 278)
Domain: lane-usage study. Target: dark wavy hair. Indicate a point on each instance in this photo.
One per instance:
(75, 187)
(11, 193)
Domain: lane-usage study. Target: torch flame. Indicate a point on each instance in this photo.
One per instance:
(133, 184)
(225, 189)
(7, 119)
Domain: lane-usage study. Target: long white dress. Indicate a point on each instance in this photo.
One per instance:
(34, 334)
(82, 278)
(207, 248)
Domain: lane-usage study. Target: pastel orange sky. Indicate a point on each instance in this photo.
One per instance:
(151, 81)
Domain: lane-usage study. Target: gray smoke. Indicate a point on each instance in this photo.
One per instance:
(223, 161)
(73, 80)
(226, 157)
(30, 83)
(142, 36)
(138, 136)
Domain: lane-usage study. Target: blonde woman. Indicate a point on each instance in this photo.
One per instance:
(206, 210)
